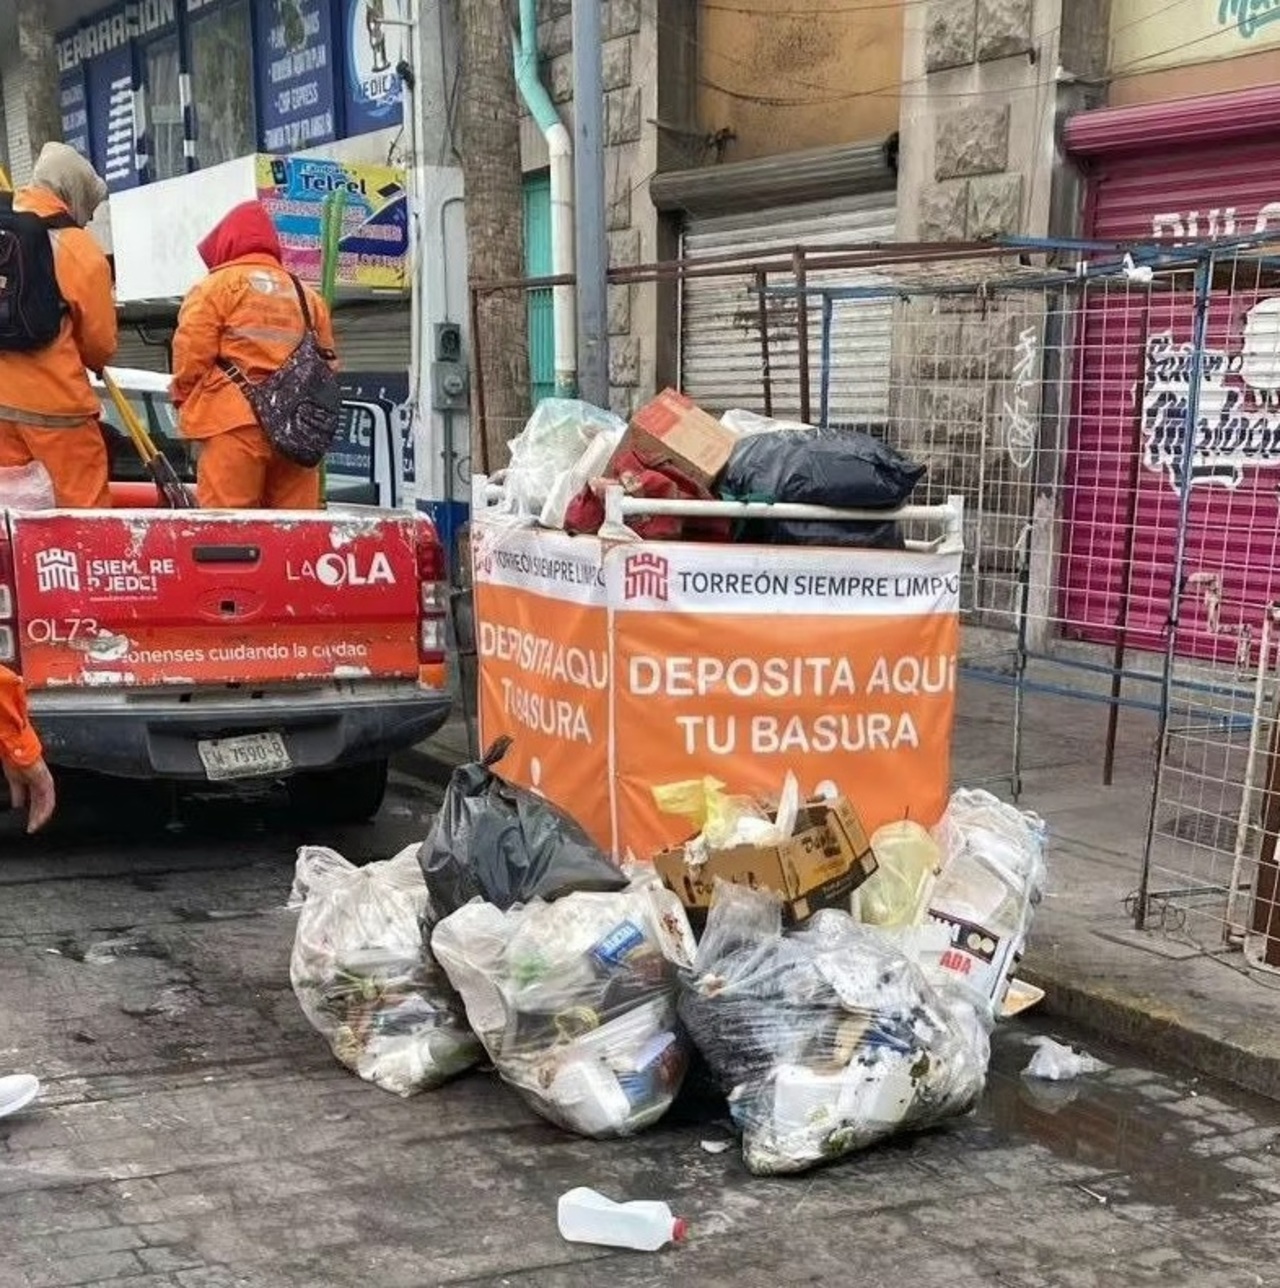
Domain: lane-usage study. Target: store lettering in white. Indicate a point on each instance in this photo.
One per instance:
(1238, 414)
(1216, 221)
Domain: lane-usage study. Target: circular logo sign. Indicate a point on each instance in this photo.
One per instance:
(374, 41)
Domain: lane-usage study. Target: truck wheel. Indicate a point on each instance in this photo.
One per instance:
(352, 794)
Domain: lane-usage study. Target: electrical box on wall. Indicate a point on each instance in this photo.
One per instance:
(449, 385)
(448, 342)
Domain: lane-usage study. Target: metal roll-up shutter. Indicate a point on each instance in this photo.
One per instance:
(721, 356)
(373, 337)
(1202, 168)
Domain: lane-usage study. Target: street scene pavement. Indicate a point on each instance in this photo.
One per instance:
(195, 1132)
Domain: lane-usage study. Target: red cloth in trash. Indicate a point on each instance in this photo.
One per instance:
(658, 480)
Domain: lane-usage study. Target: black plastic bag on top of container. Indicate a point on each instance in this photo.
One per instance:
(505, 845)
(846, 468)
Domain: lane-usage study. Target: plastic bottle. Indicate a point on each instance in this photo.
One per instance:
(588, 1217)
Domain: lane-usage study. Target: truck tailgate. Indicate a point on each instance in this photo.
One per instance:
(161, 598)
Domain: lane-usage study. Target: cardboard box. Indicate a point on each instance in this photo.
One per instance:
(823, 863)
(674, 428)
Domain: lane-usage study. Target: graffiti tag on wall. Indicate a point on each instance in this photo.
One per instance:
(1020, 433)
(1238, 419)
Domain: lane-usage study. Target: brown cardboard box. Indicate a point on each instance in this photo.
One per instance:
(824, 862)
(674, 428)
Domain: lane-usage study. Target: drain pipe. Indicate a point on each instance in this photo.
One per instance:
(560, 149)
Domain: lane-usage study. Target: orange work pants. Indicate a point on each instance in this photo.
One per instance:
(239, 470)
(76, 458)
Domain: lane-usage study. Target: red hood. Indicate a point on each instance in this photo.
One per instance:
(247, 230)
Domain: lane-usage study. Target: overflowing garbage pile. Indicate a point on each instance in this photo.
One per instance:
(365, 978)
(843, 989)
(673, 450)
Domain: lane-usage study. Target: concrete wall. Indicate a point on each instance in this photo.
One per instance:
(785, 76)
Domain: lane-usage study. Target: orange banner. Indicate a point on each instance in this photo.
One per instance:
(543, 643)
(620, 668)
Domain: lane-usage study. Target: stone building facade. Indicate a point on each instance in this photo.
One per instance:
(986, 84)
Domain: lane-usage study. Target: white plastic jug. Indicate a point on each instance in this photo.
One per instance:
(587, 1217)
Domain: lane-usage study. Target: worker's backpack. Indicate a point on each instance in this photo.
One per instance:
(31, 305)
(298, 405)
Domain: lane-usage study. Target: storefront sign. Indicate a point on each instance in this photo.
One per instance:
(296, 73)
(738, 662)
(374, 245)
(374, 32)
(73, 102)
(1249, 17)
(1150, 34)
(96, 70)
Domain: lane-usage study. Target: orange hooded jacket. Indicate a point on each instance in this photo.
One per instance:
(49, 387)
(18, 742)
(245, 311)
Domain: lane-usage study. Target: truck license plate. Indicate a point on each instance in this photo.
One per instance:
(257, 755)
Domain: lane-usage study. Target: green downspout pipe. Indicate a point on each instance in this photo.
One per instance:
(560, 152)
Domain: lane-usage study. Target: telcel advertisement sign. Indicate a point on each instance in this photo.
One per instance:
(373, 246)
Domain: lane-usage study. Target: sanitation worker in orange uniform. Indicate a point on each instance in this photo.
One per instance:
(48, 410)
(30, 782)
(245, 312)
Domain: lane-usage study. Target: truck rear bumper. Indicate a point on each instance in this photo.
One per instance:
(158, 738)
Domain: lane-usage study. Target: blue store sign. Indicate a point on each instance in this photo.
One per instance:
(97, 80)
(375, 35)
(296, 73)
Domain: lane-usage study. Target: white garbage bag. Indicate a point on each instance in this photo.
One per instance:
(825, 1038)
(363, 972)
(575, 1001)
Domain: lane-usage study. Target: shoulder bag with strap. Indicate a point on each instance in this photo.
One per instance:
(31, 305)
(299, 404)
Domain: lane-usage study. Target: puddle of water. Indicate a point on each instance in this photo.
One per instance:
(1116, 1123)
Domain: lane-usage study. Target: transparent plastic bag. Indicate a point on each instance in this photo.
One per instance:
(575, 1001)
(26, 487)
(364, 976)
(501, 843)
(826, 1038)
(547, 450)
(993, 876)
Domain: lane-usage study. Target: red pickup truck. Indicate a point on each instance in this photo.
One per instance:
(222, 646)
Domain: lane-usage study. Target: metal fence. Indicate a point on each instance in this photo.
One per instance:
(1111, 417)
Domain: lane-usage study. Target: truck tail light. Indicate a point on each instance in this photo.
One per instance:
(8, 606)
(433, 595)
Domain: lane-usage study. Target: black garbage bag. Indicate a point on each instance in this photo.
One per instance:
(506, 845)
(838, 467)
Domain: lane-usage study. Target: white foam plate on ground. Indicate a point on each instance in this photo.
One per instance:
(16, 1092)
(1021, 997)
